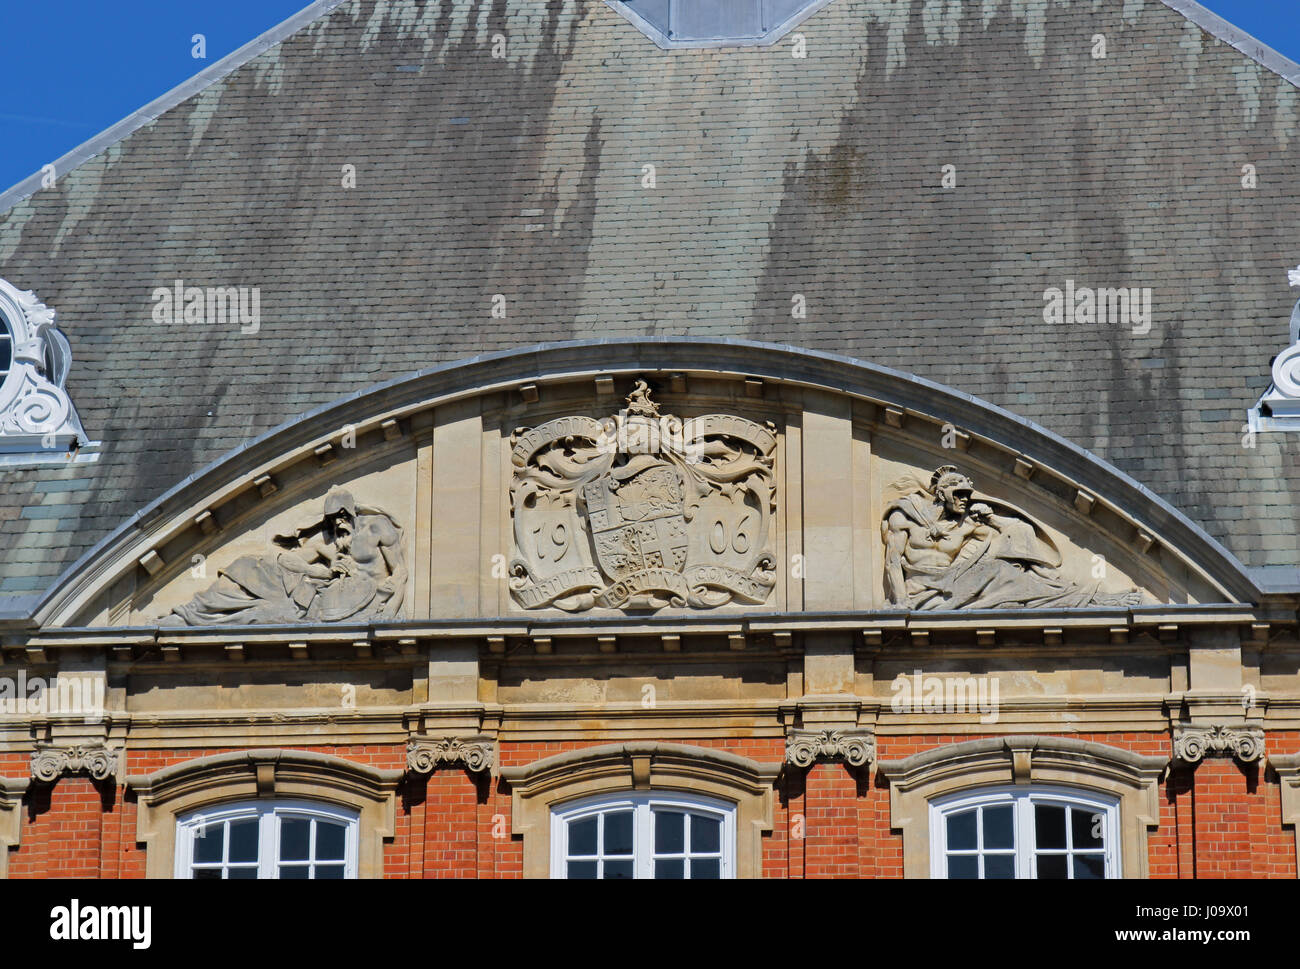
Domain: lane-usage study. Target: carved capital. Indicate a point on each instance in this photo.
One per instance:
(803, 748)
(1192, 743)
(49, 763)
(424, 754)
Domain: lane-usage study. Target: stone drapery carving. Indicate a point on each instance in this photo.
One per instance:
(346, 565)
(643, 511)
(948, 547)
(1192, 744)
(424, 754)
(803, 748)
(49, 762)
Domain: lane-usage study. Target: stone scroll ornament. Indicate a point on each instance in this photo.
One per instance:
(948, 547)
(346, 565)
(643, 511)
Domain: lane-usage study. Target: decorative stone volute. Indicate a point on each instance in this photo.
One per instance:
(1194, 743)
(424, 754)
(49, 762)
(803, 748)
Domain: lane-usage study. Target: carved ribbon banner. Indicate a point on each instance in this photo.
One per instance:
(643, 511)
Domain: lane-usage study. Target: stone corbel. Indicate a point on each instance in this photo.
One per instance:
(856, 748)
(11, 817)
(1288, 775)
(1193, 743)
(425, 754)
(50, 762)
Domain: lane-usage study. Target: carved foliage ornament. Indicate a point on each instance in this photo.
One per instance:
(803, 748)
(345, 565)
(949, 547)
(1192, 744)
(643, 511)
(49, 763)
(424, 754)
(34, 362)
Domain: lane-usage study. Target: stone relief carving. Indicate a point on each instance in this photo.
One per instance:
(643, 511)
(49, 763)
(347, 564)
(34, 401)
(803, 748)
(423, 754)
(1192, 744)
(948, 547)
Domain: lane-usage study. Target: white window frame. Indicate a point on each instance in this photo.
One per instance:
(1022, 799)
(269, 815)
(643, 807)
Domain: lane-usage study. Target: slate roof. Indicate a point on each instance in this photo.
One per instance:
(774, 176)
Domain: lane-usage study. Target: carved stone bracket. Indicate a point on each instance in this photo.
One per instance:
(424, 754)
(803, 748)
(1192, 744)
(49, 762)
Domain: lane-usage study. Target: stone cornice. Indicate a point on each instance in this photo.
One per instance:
(1192, 743)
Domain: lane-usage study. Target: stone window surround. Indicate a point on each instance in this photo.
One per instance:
(608, 769)
(1134, 779)
(167, 794)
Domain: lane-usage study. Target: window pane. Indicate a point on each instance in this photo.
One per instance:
(670, 868)
(1049, 826)
(670, 835)
(1085, 824)
(997, 827)
(295, 839)
(296, 872)
(961, 831)
(329, 871)
(1089, 866)
(246, 874)
(207, 874)
(329, 841)
(963, 866)
(582, 836)
(1051, 866)
(208, 842)
(999, 866)
(582, 869)
(618, 833)
(6, 352)
(706, 834)
(706, 868)
(618, 869)
(243, 840)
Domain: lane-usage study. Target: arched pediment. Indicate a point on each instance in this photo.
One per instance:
(671, 476)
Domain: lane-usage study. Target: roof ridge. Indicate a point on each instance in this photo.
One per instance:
(1203, 17)
(180, 93)
(1234, 36)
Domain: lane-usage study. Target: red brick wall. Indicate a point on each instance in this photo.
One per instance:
(1219, 820)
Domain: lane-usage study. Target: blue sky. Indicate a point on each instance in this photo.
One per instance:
(72, 68)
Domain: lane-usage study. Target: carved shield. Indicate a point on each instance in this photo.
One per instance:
(638, 519)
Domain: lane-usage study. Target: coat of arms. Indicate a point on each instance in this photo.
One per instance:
(643, 511)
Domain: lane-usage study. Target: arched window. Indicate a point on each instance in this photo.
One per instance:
(268, 839)
(1024, 832)
(650, 835)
